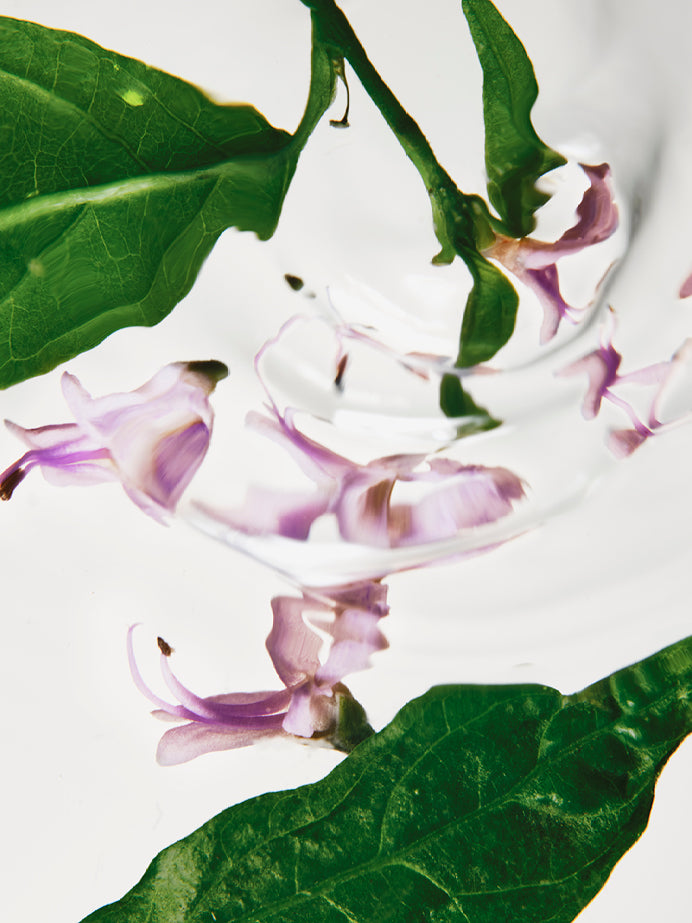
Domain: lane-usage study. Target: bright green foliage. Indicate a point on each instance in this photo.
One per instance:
(115, 181)
(515, 157)
(497, 804)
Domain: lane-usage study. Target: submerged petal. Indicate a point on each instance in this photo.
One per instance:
(601, 368)
(546, 285)
(452, 497)
(534, 262)
(597, 216)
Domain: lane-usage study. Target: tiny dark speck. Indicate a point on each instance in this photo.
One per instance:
(340, 369)
(164, 647)
(295, 282)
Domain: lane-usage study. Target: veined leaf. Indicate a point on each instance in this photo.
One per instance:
(490, 313)
(515, 157)
(116, 179)
(497, 804)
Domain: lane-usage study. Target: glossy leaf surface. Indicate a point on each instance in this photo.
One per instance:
(515, 157)
(116, 179)
(477, 804)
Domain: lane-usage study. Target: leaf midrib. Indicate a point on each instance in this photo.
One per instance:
(59, 101)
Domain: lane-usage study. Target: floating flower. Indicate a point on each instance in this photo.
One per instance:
(364, 498)
(152, 440)
(450, 496)
(534, 262)
(602, 368)
(312, 695)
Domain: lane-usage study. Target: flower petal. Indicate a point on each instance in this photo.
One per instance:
(597, 216)
(460, 497)
(623, 442)
(184, 743)
(545, 283)
(274, 512)
(601, 368)
(310, 712)
(686, 288)
(293, 647)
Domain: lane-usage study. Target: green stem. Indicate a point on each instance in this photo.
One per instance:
(323, 76)
(460, 219)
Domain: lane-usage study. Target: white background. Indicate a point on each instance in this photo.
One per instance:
(84, 806)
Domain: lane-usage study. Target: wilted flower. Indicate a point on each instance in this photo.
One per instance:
(309, 703)
(534, 262)
(602, 368)
(152, 440)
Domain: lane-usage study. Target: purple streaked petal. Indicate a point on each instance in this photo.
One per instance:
(461, 497)
(650, 375)
(293, 647)
(184, 743)
(345, 657)
(172, 393)
(315, 460)
(156, 481)
(597, 217)
(152, 439)
(601, 368)
(545, 284)
(137, 678)
(597, 213)
(623, 442)
(356, 636)
(222, 712)
(466, 498)
(368, 594)
(49, 437)
(274, 512)
(311, 712)
(637, 423)
(686, 288)
(362, 510)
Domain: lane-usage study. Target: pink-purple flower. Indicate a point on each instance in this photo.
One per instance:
(364, 499)
(307, 705)
(602, 367)
(534, 262)
(152, 439)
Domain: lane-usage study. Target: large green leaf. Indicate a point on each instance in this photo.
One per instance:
(515, 157)
(497, 804)
(115, 181)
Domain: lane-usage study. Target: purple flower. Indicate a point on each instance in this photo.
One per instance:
(686, 288)
(602, 368)
(364, 499)
(152, 440)
(533, 262)
(307, 705)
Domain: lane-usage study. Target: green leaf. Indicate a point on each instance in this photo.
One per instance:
(456, 402)
(116, 179)
(515, 157)
(490, 314)
(477, 804)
